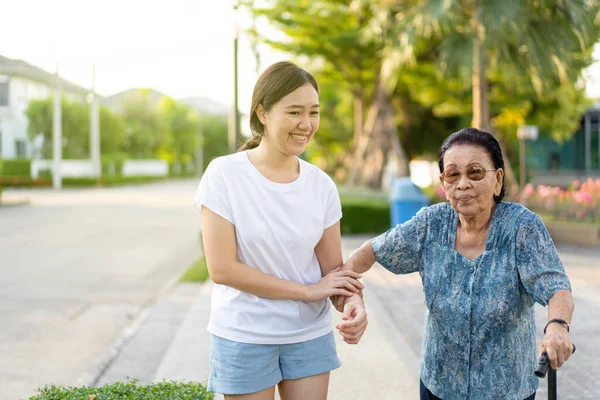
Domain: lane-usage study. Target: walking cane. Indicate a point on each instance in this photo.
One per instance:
(540, 372)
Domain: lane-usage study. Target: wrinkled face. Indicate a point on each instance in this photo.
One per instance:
(292, 121)
(463, 166)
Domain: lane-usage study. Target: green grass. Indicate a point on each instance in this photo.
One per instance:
(197, 272)
(130, 390)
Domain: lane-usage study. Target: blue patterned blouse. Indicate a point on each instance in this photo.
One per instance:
(479, 339)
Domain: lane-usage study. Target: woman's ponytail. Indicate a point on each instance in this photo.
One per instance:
(251, 143)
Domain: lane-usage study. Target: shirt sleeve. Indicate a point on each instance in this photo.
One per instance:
(333, 206)
(540, 269)
(399, 249)
(212, 193)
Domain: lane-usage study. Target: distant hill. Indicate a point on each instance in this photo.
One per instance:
(204, 105)
(116, 101)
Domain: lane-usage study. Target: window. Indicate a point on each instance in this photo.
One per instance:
(21, 148)
(3, 94)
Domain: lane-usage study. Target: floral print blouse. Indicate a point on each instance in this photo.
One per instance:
(479, 339)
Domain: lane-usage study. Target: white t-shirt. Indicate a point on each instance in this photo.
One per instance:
(277, 227)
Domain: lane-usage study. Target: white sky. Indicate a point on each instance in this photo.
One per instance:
(179, 47)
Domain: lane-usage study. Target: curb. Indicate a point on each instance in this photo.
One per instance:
(94, 374)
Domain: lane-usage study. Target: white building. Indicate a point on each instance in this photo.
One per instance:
(20, 83)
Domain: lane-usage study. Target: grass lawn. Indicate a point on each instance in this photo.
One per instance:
(197, 272)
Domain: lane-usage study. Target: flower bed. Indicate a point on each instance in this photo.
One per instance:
(579, 203)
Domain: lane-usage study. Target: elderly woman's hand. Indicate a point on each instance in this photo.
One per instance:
(354, 318)
(557, 343)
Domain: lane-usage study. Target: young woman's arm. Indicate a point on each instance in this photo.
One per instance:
(220, 250)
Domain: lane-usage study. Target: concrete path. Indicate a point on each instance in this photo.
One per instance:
(77, 269)
(386, 362)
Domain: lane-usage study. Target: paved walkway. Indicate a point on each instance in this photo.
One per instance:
(172, 342)
(77, 268)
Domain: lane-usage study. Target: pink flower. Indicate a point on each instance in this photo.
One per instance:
(544, 191)
(528, 190)
(576, 184)
(583, 197)
(441, 192)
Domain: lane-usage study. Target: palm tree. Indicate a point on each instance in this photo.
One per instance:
(543, 41)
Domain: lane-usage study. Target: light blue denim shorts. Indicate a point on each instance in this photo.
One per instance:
(242, 368)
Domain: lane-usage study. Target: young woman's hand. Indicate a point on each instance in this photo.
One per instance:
(336, 282)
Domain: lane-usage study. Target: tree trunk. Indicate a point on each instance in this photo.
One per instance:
(377, 145)
(481, 108)
(358, 114)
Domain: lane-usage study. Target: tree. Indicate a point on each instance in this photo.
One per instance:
(112, 131)
(214, 137)
(75, 128)
(183, 125)
(146, 132)
(539, 45)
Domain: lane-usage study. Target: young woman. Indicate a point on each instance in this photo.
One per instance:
(271, 232)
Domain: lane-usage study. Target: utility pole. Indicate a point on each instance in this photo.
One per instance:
(57, 133)
(95, 129)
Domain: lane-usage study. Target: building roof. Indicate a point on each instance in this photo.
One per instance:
(22, 69)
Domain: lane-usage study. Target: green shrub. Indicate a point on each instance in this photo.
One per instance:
(116, 159)
(45, 180)
(24, 181)
(0, 181)
(364, 215)
(18, 167)
(128, 391)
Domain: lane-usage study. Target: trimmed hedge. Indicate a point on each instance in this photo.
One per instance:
(1, 175)
(128, 391)
(364, 215)
(45, 180)
(16, 167)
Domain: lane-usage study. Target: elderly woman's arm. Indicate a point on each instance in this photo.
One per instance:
(557, 342)
(361, 259)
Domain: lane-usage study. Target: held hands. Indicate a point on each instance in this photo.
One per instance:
(336, 283)
(557, 343)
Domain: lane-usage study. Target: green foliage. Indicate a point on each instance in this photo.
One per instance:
(214, 137)
(363, 215)
(1, 165)
(16, 167)
(112, 163)
(183, 125)
(146, 131)
(334, 32)
(130, 390)
(75, 127)
(24, 181)
(334, 136)
(112, 131)
(197, 272)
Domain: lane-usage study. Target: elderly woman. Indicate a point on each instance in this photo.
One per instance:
(483, 263)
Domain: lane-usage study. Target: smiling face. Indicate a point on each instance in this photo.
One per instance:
(292, 121)
(467, 196)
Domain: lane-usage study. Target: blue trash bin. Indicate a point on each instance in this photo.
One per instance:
(406, 199)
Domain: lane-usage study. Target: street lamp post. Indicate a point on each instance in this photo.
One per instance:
(234, 123)
(524, 133)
